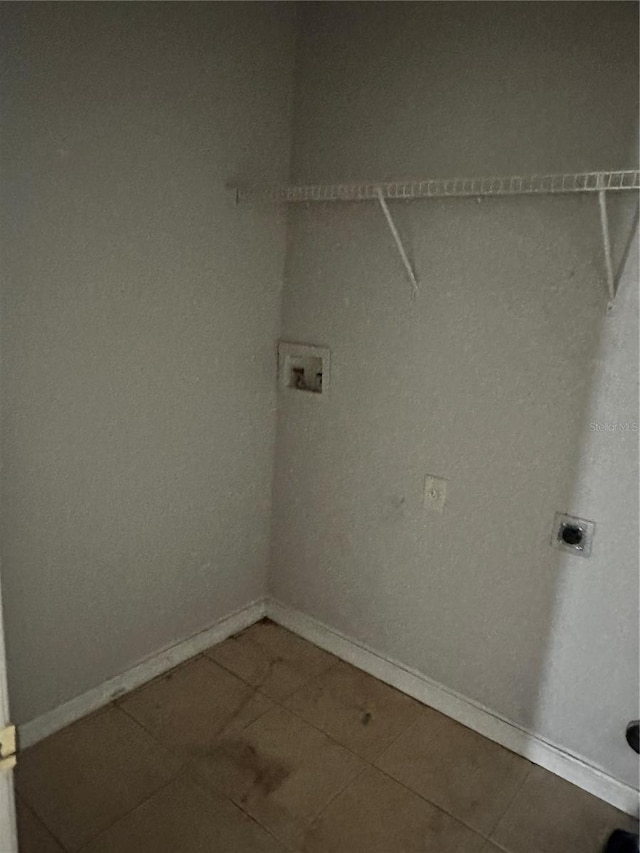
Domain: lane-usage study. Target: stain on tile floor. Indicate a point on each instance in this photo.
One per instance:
(267, 744)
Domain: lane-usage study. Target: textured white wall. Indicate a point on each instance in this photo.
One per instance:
(490, 379)
(139, 317)
(589, 689)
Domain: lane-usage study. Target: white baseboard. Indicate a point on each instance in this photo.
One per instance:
(571, 767)
(96, 698)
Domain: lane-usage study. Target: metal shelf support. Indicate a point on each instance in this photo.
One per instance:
(606, 244)
(398, 241)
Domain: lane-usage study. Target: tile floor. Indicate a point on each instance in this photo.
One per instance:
(266, 744)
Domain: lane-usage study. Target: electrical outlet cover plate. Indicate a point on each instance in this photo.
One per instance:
(573, 534)
(435, 493)
(303, 367)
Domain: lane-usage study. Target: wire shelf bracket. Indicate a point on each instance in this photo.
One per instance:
(613, 277)
(606, 245)
(598, 183)
(398, 242)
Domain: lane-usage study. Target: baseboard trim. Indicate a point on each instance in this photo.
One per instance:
(96, 698)
(568, 766)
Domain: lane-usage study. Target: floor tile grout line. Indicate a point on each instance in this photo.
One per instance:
(161, 787)
(41, 821)
(305, 684)
(310, 678)
(338, 793)
(488, 835)
(280, 704)
(203, 784)
(210, 787)
(500, 846)
(372, 766)
(396, 739)
(118, 702)
(258, 687)
(224, 665)
(254, 687)
(156, 740)
(207, 789)
(127, 814)
(304, 719)
(533, 765)
(324, 732)
(516, 794)
(185, 763)
(176, 751)
(113, 706)
(440, 808)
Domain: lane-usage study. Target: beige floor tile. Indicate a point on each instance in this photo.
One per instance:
(272, 659)
(280, 770)
(377, 815)
(33, 836)
(85, 777)
(550, 815)
(194, 705)
(359, 711)
(183, 818)
(457, 769)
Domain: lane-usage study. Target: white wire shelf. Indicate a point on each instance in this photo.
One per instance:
(599, 183)
(579, 182)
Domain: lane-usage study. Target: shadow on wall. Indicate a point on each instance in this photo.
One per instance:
(491, 379)
(596, 603)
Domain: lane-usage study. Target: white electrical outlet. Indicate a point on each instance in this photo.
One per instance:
(435, 493)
